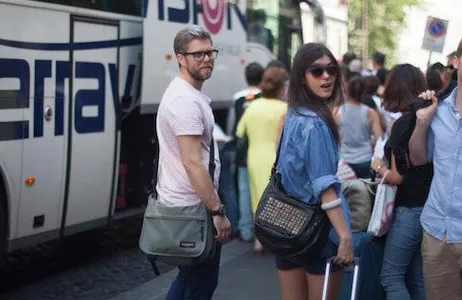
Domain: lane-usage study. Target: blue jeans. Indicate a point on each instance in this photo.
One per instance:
(402, 269)
(196, 282)
(245, 210)
(227, 189)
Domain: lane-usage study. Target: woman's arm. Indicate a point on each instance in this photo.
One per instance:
(393, 177)
(375, 124)
(335, 215)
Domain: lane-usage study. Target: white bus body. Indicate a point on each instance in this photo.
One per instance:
(79, 89)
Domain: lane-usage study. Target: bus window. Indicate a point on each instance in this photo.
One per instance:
(276, 25)
(127, 7)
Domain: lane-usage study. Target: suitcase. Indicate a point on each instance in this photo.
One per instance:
(355, 278)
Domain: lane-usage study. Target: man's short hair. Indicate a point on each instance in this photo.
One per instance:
(348, 57)
(459, 49)
(275, 64)
(188, 34)
(253, 73)
(379, 58)
(451, 55)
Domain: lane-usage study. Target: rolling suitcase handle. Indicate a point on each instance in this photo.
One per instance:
(355, 278)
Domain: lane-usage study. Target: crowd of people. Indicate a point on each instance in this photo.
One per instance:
(322, 112)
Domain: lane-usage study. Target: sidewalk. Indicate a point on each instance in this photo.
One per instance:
(243, 276)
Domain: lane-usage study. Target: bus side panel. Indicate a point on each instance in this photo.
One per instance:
(93, 141)
(33, 37)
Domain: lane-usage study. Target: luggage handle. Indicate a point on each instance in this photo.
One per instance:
(355, 277)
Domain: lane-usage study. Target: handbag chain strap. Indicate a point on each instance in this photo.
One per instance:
(212, 165)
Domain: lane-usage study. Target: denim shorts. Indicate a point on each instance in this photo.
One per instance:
(315, 266)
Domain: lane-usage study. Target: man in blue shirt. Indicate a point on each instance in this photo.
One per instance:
(437, 137)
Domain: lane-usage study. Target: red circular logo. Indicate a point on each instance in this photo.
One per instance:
(213, 14)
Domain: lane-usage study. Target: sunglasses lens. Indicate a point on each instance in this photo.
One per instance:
(317, 72)
(332, 70)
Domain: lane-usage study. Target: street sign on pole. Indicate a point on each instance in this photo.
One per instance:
(435, 34)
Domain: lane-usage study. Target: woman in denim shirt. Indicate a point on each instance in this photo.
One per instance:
(308, 167)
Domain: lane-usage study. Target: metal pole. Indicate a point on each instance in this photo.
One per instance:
(365, 33)
(429, 59)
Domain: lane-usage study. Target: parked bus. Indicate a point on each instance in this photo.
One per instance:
(80, 83)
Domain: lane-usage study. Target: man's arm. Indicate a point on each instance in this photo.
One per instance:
(418, 141)
(190, 146)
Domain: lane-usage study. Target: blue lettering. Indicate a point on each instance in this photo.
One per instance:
(90, 98)
(62, 73)
(15, 68)
(20, 69)
(42, 71)
(179, 15)
(182, 15)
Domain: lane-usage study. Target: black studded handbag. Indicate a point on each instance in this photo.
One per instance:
(287, 226)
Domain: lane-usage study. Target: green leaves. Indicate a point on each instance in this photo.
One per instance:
(386, 19)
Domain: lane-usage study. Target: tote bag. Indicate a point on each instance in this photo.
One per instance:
(382, 213)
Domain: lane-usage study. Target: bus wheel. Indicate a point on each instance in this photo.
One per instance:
(2, 230)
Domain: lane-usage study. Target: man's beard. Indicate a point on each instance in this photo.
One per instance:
(200, 74)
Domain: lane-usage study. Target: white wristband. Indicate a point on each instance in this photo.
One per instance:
(331, 204)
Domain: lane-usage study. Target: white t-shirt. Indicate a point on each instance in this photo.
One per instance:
(183, 110)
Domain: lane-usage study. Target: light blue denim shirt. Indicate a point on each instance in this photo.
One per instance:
(308, 160)
(443, 210)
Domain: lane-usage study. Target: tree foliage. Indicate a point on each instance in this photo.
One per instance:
(386, 19)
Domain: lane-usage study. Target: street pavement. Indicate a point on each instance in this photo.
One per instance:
(244, 275)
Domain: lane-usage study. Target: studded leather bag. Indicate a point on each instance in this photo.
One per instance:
(287, 226)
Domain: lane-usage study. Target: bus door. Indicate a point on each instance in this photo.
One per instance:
(93, 143)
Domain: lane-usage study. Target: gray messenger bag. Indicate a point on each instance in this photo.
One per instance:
(178, 235)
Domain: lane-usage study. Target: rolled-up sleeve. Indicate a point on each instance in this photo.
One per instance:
(321, 160)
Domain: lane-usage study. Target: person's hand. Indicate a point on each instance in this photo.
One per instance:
(376, 164)
(344, 256)
(427, 113)
(223, 228)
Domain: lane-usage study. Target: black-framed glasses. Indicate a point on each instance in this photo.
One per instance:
(200, 55)
(318, 71)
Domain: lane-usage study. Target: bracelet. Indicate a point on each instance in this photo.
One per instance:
(331, 204)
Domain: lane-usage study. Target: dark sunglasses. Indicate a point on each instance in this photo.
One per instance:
(317, 72)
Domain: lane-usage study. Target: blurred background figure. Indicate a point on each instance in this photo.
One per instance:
(253, 74)
(434, 80)
(450, 69)
(357, 124)
(259, 124)
(355, 68)
(378, 62)
(257, 32)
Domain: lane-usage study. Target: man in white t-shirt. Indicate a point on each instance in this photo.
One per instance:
(184, 127)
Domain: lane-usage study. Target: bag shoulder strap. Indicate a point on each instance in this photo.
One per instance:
(273, 169)
(212, 165)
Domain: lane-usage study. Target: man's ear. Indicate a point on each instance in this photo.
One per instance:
(456, 62)
(181, 59)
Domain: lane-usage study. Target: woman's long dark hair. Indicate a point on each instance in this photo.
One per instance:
(300, 95)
